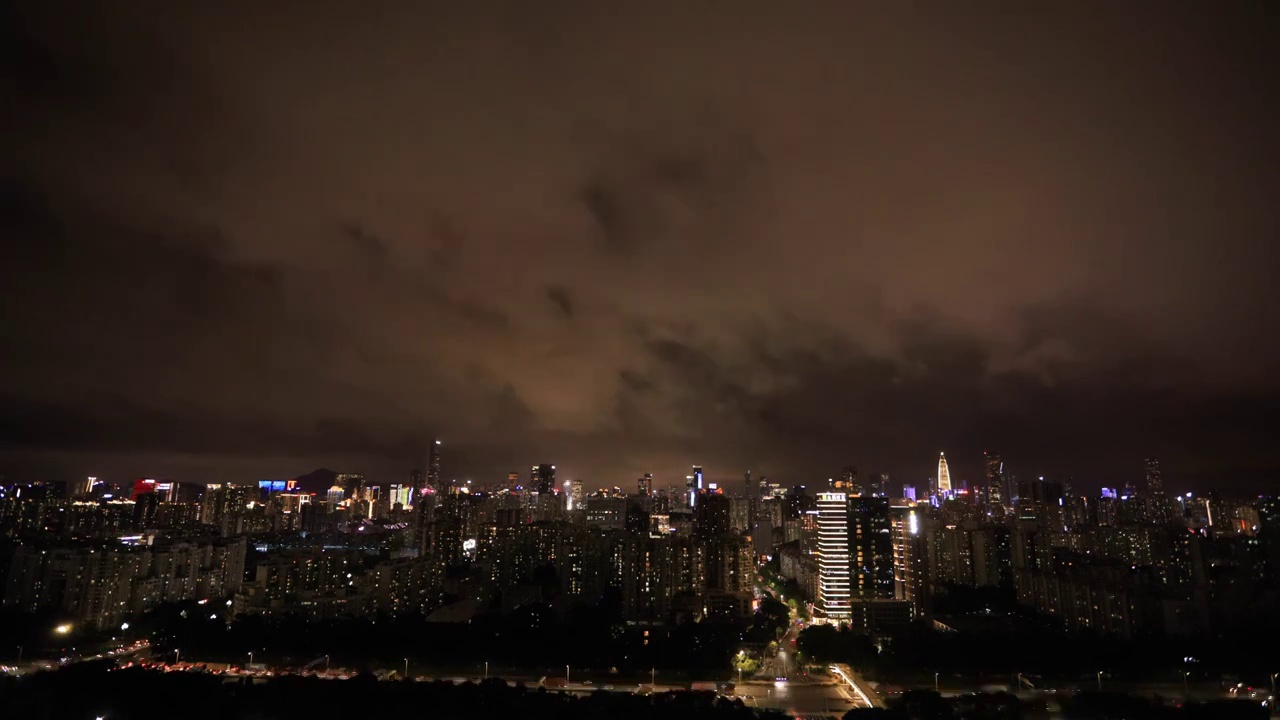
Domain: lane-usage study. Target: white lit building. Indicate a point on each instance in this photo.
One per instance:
(833, 557)
(573, 495)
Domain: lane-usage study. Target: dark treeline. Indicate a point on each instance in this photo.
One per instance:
(135, 694)
(1000, 637)
(587, 637)
(1043, 653)
(927, 705)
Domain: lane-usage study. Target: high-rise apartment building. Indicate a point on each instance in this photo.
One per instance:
(98, 586)
(352, 483)
(910, 569)
(435, 480)
(694, 485)
(607, 513)
(1155, 483)
(833, 556)
(573, 495)
(711, 516)
(870, 548)
(542, 479)
(644, 486)
(995, 480)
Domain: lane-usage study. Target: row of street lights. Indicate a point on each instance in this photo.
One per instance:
(1186, 686)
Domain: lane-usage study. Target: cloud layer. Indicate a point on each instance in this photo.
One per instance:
(246, 241)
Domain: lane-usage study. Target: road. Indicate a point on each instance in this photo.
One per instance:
(784, 662)
(858, 687)
(118, 652)
(800, 699)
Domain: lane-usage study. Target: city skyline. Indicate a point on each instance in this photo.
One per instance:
(745, 360)
(976, 478)
(766, 252)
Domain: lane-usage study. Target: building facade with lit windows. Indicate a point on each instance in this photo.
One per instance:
(833, 557)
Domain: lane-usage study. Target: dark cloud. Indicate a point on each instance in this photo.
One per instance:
(605, 205)
(561, 299)
(249, 240)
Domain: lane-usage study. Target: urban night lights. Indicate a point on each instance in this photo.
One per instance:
(658, 360)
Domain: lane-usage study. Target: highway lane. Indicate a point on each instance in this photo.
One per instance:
(800, 699)
(858, 687)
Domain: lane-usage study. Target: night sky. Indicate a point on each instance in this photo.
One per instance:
(253, 239)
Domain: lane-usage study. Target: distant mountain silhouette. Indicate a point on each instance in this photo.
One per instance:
(317, 481)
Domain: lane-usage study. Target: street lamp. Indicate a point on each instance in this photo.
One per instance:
(566, 674)
(486, 669)
(1186, 690)
(250, 657)
(63, 629)
(1273, 682)
(177, 656)
(653, 673)
(935, 684)
(326, 664)
(1099, 681)
(406, 667)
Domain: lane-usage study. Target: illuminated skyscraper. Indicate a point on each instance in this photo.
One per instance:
(944, 476)
(995, 480)
(353, 483)
(644, 486)
(435, 480)
(542, 479)
(870, 548)
(909, 571)
(417, 483)
(335, 496)
(694, 484)
(1155, 483)
(833, 556)
(1157, 505)
(573, 495)
(711, 518)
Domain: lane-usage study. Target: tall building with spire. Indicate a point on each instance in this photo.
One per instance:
(944, 475)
